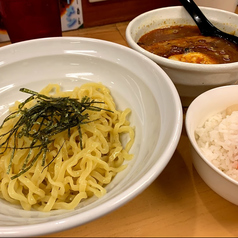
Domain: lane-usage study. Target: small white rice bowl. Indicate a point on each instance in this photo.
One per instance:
(218, 140)
(212, 128)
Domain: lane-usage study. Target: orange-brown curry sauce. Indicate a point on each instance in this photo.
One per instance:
(181, 40)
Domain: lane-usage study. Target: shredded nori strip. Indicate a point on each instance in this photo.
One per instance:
(48, 117)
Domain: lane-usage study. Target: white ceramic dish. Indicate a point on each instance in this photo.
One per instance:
(221, 4)
(135, 82)
(203, 107)
(189, 79)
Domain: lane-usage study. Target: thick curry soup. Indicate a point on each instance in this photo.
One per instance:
(185, 43)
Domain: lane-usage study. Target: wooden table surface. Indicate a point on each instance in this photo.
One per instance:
(178, 203)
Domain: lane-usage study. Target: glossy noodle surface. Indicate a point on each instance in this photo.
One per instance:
(73, 174)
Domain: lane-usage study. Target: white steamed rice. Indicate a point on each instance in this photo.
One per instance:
(218, 140)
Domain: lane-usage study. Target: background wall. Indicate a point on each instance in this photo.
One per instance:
(111, 11)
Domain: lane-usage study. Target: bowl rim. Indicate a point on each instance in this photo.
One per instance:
(172, 63)
(60, 224)
(190, 133)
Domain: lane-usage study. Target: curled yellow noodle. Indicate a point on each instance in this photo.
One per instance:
(71, 175)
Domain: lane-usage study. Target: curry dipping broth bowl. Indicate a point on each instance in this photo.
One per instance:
(190, 79)
(134, 81)
(203, 107)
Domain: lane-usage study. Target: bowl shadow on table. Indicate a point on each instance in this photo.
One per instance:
(223, 211)
(212, 204)
(176, 185)
(191, 199)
